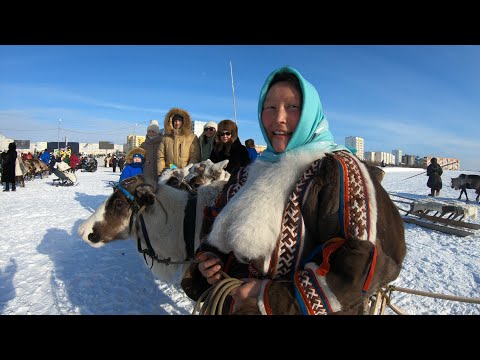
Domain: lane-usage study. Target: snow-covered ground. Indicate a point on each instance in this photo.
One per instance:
(45, 268)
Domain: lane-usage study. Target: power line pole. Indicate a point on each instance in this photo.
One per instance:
(58, 138)
(233, 93)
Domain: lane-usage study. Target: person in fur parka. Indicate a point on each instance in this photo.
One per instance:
(307, 228)
(135, 160)
(228, 147)
(179, 145)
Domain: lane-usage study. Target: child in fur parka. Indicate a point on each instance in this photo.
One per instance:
(134, 161)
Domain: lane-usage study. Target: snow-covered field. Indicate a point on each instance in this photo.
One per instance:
(45, 268)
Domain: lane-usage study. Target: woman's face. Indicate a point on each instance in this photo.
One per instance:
(209, 132)
(225, 136)
(280, 114)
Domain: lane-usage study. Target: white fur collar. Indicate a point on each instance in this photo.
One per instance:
(250, 223)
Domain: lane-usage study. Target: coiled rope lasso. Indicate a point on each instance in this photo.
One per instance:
(212, 300)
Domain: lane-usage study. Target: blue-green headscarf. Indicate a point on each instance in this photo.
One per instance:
(312, 133)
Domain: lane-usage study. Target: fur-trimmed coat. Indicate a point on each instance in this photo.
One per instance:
(236, 154)
(179, 147)
(350, 240)
(233, 150)
(132, 170)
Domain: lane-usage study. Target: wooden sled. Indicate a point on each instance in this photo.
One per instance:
(444, 216)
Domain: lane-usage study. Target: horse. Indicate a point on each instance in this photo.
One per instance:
(463, 182)
(164, 218)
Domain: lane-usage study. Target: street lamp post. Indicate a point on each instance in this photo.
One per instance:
(58, 138)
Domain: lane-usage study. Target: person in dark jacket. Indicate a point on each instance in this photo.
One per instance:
(8, 167)
(121, 163)
(228, 147)
(151, 144)
(114, 163)
(434, 173)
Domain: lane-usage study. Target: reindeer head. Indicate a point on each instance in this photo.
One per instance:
(111, 221)
(207, 172)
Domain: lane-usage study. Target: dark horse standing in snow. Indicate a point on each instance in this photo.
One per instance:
(464, 182)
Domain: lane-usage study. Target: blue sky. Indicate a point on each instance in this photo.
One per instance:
(422, 99)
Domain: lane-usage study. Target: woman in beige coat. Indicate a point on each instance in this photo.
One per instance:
(179, 146)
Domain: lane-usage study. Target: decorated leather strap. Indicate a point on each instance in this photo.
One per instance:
(354, 208)
(310, 294)
(242, 176)
(285, 257)
(355, 215)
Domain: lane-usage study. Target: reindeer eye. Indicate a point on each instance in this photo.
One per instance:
(119, 204)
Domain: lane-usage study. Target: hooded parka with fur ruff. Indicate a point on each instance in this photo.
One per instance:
(179, 146)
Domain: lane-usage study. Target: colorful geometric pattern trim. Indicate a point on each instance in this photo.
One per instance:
(285, 257)
(309, 294)
(354, 204)
(241, 179)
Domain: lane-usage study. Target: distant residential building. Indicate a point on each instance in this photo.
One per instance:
(197, 127)
(133, 141)
(357, 143)
(445, 163)
(370, 156)
(377, 157)
(381, 156)
(408, 160)
(398, 156)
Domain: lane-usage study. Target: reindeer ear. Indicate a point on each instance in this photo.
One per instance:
(220, 165)
(131, 182)
(145, 195)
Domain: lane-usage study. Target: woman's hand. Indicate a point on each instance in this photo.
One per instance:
(250, 289)
(209, 267)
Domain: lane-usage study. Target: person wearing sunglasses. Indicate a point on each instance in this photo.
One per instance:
(179, 146)
(307, 228)
(228, 147)
(207, 139)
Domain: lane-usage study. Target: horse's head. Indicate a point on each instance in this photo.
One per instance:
(111, 221)
(206, 172)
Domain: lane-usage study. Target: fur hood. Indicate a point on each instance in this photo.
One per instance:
(227, 125)
(187, 122)
(137, 150)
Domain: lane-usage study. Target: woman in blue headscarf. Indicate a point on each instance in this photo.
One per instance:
(300, 225)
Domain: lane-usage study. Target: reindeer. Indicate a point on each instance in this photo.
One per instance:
(159, 216)
(464, 182)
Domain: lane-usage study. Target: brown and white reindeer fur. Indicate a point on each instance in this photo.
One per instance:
(163, 215)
